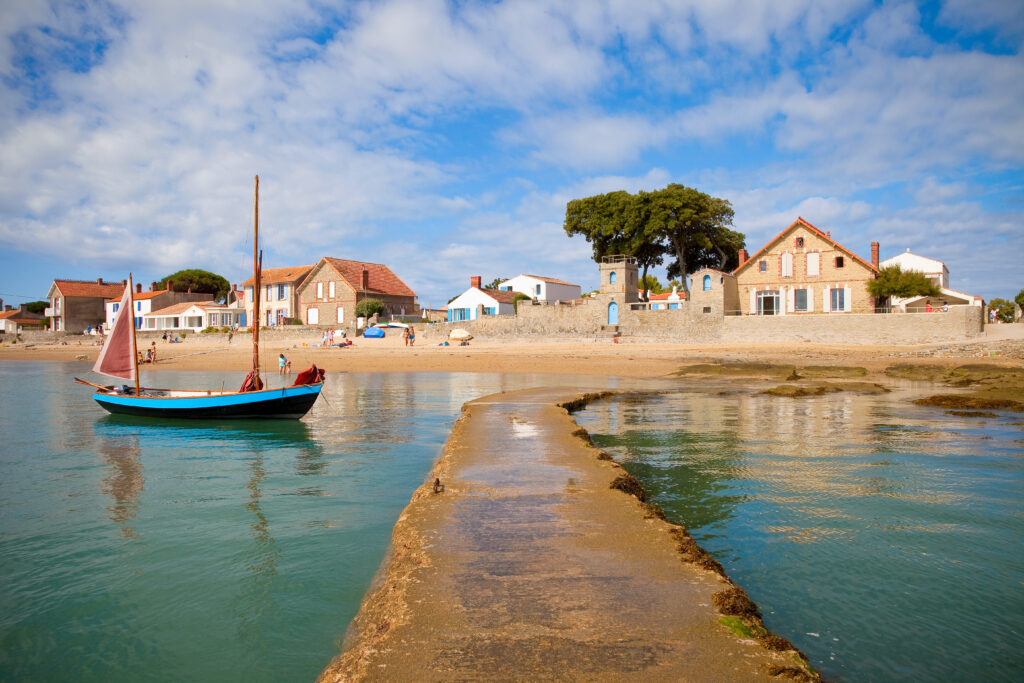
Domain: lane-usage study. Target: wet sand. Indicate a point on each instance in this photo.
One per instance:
(528, 566)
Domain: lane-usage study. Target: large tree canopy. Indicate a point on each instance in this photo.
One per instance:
(687, 225)
(199, 281)
(894, 281)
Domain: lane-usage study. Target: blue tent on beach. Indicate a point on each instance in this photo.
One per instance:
(373, 332)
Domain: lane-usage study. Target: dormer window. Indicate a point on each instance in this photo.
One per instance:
(799, 242)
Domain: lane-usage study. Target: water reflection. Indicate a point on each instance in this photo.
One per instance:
(124, 482)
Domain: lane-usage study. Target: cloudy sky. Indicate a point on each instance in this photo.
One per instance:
(445, 138)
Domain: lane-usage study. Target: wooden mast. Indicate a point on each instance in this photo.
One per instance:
(256, 289)
(131, 319)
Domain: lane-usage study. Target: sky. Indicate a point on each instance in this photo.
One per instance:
(444, 139)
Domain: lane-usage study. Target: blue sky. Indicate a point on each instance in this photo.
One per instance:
(445, 138)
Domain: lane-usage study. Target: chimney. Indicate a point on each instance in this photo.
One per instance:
(138, 288)
(828, 234)
(124, 283)
(8, 307)
(874, 254)
(99, 281)
(167, 285)
(153, 287)
(474, 281)
(366, 279)
(743, 256)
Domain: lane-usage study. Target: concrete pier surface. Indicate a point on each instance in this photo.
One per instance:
(526, 565)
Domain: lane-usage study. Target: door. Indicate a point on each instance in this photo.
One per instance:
(613, 313)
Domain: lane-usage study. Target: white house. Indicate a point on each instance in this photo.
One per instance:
(475, 302)
(935, 271)
(544, 289)
(667, 300)
(187, 316)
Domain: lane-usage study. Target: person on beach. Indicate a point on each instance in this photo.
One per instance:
(152, 352)
(412, 335)
(323, 339)
(282, 364)
(165, 336)
(405, 335)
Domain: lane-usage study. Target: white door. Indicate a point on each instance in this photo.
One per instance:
(312, 315)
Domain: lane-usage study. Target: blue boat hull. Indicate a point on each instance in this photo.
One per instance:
(287, 403)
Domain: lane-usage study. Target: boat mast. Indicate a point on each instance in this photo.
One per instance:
(256, 287)
(131, 320)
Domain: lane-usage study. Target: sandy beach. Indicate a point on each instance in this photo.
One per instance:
(1003, 346)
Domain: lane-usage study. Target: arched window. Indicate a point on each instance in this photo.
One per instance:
(707, 283)
(611, 278)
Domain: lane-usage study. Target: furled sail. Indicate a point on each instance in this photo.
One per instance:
(117, 358)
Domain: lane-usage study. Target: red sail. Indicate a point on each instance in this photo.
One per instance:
(116, 358)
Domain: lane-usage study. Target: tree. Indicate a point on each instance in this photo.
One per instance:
(493, 284)
(650, 283)
(39, 307)
(1003, 309)
(517, 298)
(199, 281)
(676, 221)
(894, 281)
(1019, 299)
(367, 308)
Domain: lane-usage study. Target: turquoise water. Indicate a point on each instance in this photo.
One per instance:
(885, 540)
(134, 550)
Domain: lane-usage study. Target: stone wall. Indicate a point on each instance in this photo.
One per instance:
(691, 325)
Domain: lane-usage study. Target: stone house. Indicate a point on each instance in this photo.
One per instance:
(78, 304)
(279, 299)
(477, 302)
(329, 293)
(14, 320)
(545, 289)
(713, 292)
(803, 270)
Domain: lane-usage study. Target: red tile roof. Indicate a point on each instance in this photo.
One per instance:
(85, 288)
(551, 280)
(274, 276)
(381, 278)
(177, 309)
(664, 296)
(801, 222)
(501, 295)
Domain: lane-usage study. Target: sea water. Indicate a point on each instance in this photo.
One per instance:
(135, 549)
(885, 540)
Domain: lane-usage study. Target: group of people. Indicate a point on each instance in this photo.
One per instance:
(409, 335)
(150, 356)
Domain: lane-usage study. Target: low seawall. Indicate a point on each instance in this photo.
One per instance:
(534, 558)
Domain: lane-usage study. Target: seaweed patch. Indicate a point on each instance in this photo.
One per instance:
(692, 553)
(627, 483)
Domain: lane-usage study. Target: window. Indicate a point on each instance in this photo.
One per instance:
(282, 292)
(800, 300)
(313, 315)
(270, 291)
(116, 306)
(319, 290)
(762, 266)
(707, 283)
(280, 316)
(138, 323)
(839, 262)
(330, 289)
(768, 302)
(838, 300)
(611, 278)
(707, 309)
(813, 264)
(491, 310)
(787, 265)
(537, 290)
(456, 314)
(799, 242)
(138, 305)
(341, 314)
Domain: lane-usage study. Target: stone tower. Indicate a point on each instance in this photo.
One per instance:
(619, 280)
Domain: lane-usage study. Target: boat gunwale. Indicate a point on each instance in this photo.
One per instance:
(201, 393)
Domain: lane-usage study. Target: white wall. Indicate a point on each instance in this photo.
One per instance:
(549, 291)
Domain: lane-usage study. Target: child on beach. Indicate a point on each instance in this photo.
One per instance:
(282, 364)
(412, 335)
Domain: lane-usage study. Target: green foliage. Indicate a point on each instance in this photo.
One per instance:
(209, 330)
(39, 307)
(650, 283)
(368, 307)
(677, 222)
(493, 284)
(199, 281)
(894, 281)
(516, 299)
(673, 284)
(1003, 309)
(1019, 299)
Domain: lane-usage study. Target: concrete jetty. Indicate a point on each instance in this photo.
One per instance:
(526, 565)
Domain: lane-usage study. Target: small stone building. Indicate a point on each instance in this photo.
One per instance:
(329, 293)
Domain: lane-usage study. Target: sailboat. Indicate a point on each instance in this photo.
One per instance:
(119, 359)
